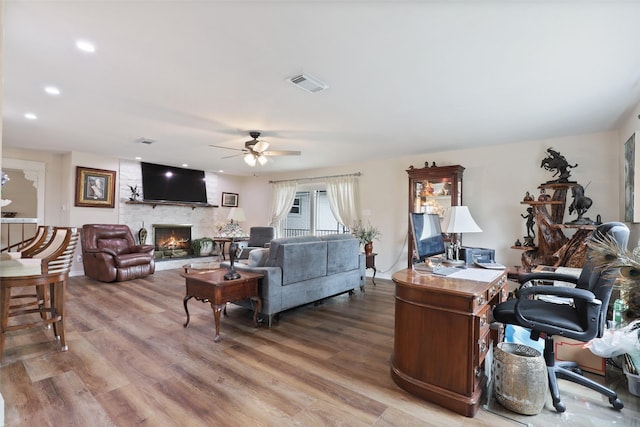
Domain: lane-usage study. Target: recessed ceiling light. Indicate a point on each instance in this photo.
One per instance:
(184, 165)
(52, 90)
(30, 116)
(138, 158)
(85, 46)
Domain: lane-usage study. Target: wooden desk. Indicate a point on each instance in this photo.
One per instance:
(442, 336)
(210, 286)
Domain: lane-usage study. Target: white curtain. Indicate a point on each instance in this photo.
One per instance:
(283, 195)
(343, 193)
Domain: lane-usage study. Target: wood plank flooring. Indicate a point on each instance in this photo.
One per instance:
(131, 362)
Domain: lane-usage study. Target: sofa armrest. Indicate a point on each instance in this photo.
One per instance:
(270, 285)
(143, 248)
(272, 275)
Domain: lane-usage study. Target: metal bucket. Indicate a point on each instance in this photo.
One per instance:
(520, 378)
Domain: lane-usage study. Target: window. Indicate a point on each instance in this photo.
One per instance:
(295, 208)
(311, 214)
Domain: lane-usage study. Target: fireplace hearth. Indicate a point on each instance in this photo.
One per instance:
(172, 240)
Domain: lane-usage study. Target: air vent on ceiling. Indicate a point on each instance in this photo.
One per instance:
(308, 83)
(145, 141)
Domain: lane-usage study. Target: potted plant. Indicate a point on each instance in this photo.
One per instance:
(203, 246)
(366, 235)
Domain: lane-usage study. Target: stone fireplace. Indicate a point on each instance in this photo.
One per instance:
(172, 240)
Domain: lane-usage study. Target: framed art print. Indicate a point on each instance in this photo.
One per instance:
(630, 208)
(230, 200)
(95, 188)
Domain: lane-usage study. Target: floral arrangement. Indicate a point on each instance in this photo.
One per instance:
(366, 234)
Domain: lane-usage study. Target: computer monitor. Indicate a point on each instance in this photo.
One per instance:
(427, 236)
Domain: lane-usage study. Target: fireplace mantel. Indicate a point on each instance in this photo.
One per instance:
(164, 203)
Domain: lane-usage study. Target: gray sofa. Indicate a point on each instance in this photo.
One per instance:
(306, 269)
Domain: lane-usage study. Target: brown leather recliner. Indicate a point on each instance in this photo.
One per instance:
(110, 254)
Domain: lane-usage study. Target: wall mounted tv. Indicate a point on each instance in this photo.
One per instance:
(173, 184)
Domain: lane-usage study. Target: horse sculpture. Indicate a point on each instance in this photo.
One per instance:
(580, 204)
(558, 163)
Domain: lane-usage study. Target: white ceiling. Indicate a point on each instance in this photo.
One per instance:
(405, 77)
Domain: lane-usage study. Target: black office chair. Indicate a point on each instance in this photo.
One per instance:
(582, 320)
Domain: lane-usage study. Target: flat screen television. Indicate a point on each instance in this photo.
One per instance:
(173, 184)
(428, 240)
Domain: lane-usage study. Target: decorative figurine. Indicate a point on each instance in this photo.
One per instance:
(518, 243)
(433, 165)
(528, 242)
(426, 164)
(134, 193)
(530, 222)
(557, 162)
(527, 197)
(580, 204)
(544, 197)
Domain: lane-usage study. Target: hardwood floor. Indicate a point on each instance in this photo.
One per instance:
(131, 362)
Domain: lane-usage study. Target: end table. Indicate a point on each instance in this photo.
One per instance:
(371, 263)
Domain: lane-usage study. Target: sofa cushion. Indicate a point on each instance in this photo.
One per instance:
(118, 245)
(132, 259)
(258, 257)
(275, 244)
(342, 254)
(302, 261)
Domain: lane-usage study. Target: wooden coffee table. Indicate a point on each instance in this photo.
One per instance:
(210, 286)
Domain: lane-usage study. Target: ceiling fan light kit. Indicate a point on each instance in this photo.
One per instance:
(255, 151)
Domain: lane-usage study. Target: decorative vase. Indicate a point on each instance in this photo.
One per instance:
(368, 248)
(142, 235)
(520, 378)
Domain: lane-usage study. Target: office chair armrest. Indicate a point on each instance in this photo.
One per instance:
(559, 291)
(547, 276)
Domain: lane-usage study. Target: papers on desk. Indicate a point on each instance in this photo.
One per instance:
(479, 274)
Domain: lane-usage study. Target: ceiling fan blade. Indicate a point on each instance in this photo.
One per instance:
(260, 146)
(235, 155)
(226, 148)
(281, 153)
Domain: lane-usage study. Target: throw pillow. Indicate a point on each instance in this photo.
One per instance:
(258, 257)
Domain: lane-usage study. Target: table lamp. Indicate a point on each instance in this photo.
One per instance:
(458, 220)
(237, 215)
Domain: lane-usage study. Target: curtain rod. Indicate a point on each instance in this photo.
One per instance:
(316, 177)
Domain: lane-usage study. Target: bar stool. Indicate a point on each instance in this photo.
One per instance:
(54, 264)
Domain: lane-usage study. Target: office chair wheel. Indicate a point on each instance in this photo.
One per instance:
(560, 407)
(617, 403)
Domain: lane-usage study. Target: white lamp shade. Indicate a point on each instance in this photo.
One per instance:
(250, 159)
(262, 159)
(458, 220)
(236, 214)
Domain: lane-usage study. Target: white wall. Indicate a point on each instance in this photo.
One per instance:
(494, 182)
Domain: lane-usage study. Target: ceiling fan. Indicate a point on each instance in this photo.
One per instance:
(255, 150)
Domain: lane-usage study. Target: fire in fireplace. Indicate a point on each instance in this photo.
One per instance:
(172, 240)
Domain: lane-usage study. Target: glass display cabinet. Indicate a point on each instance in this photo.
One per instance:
(433, 190)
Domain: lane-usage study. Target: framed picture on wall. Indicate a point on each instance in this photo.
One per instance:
(230, 200)
(95, 188)
(630, 178)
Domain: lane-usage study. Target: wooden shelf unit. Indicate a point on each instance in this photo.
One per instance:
(447, 191)
(551, 239)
